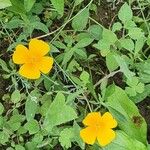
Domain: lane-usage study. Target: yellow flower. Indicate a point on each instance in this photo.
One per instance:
(33, 60)
(98, 127)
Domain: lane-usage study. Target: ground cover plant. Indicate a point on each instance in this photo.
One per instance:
(75, 74)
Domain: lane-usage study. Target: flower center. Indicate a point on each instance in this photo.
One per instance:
(34, 59)
(100, 126)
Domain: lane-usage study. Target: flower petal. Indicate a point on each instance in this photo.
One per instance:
(38, 47)
(92, 119)
(108, 119)
(46, 64)
(106, 136)
(29, 71)
(20, 55)
(88, 135)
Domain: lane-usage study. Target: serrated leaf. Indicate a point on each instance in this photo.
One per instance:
(81, 17)
(59, 112)
(65, 138)
(5, 3)
(125, 13)
(59, 6)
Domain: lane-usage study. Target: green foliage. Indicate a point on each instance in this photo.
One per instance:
(55, 117)
(101, 63)
(4, 4)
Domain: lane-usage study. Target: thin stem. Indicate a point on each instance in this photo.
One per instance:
(70, 19)
(50, 79)
(143, 16)
(106, 77)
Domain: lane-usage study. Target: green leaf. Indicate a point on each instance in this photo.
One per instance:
(85, 77)
(95, 32)
(59, 6)
(125, 142)
(103, 46)
(19, 147)
(40, 26)
(67, 56)
(65, 138)
(30, 108)
(28, 4)
(81, 17)
(77, 2)
(111, 62)
(32, 126)
(59, 112)
(4, 137)
(144, 72)
(5, 3)
(109, 36)
(4, 66)
(84, 42)
(16, 96)
(15, 122)
(116, 27)
(141, 96)
(126, 113)
(135, 33)
(125, 13)
(1, 108)
(123, 66)
(127, 44)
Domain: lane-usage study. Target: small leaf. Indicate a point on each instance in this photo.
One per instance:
(81, 17)
(30, 108)
(65, 138)
(95, 32)
(124, 67)
(1, 108)
(16, 96)
(127, 44)
(109, 36)
(125, 13)
(28, 4)
(4, 4)
(59, 6)
(111, 62)
(32, 126)
(4, 66)
(85, 77)
(40, 26)
(135, 33)
(84, 42)
(117, 27)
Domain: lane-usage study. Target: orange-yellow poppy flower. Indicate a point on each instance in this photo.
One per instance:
(33, 60)
(98, 127)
